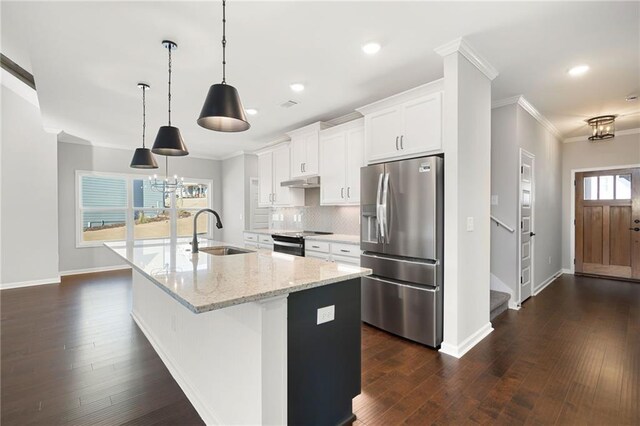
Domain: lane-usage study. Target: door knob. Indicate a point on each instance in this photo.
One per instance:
(635, 229)
(531, 234)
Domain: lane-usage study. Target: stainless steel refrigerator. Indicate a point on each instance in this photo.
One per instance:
(402, 241)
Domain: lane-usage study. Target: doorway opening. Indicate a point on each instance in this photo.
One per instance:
(607, 223)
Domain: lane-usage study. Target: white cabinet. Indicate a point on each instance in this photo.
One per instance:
(341, 156)
(273, 168)
(346, 254)
(304, 150)
(405, 125)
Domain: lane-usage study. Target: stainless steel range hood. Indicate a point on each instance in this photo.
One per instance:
(304, 183)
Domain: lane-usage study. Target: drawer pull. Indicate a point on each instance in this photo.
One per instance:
(345, 251)
(315, 246)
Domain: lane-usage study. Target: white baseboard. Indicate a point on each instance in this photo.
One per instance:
(548, 281)
(94, 270)
(203, 410)
(459, 350)
(567, 271)
(46, 281)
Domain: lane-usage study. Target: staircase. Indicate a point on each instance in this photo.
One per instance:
(499, 302)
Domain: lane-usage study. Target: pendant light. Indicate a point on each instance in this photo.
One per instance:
(142, 157)
(222, 110)
(169, 141)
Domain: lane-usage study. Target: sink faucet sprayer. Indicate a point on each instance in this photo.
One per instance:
(194, 242)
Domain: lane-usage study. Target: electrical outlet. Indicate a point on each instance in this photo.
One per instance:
(470, 226)
(494, 200)
(326, 314)
(549, 260)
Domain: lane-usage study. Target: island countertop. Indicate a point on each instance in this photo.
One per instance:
(203, 282)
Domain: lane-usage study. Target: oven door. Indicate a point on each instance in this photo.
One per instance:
(288, 245)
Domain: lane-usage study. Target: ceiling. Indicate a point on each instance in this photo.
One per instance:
(88, 56)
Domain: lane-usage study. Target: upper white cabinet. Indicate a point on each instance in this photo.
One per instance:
(304, 150)
(341, 156)
(405, 125)
(273, 168)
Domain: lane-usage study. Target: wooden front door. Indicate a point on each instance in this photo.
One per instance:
(607, 223)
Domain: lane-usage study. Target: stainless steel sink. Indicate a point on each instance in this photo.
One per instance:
(224, 250)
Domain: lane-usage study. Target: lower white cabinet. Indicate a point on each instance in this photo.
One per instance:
(347, 254)
(258, 241)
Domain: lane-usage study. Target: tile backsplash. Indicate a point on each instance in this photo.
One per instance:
(314, 217)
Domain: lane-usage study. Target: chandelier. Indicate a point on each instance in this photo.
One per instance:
(167, 185)
(602, 127)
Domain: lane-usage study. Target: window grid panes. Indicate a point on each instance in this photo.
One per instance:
(110, 205)
(608, 187)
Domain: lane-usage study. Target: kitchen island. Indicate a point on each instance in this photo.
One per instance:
(251, 338)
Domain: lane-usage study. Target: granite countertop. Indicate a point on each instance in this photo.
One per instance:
(203, 282)
(333, 238)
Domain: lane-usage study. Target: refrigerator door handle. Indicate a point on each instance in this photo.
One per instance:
(399, 284)
(385, 207)
(379, 208)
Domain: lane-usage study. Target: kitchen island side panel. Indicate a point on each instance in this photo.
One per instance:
(324, 361)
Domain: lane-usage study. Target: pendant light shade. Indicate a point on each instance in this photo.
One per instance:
(223, 110)
(142, 157)
(169, 140)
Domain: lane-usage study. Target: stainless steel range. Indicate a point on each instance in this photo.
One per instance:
(293, 242)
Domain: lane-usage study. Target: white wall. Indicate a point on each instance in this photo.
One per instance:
(514, 128)
(72, 157)
(504, 185)
(619, 151)
(29, 217)
(467, 150)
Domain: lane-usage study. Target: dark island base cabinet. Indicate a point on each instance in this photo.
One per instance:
(323, 359)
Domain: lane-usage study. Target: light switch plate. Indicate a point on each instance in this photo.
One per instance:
(326, 314)
(470, 224)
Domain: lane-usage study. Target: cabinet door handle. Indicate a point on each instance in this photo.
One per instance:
(396, 143)
(348, 192)
(304, 167)
(274, 197)
(401, 145)
(342, 192)
(300, 167)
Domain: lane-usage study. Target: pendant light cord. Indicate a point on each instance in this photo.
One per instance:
(224, 42)
(144, 115)
(169, 48)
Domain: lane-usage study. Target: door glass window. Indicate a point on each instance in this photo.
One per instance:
(623, 187)
(591, 188)
(606, 187)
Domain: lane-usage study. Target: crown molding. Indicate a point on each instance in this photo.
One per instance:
(584, 138)
(465, 49)
(345, 118)
(232, 155)
(527, 106)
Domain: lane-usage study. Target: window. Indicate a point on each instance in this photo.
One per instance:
(607, 187)
(114, 207)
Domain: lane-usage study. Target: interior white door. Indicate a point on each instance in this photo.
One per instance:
(383, 133)
(333, 165)
(265, 179)
(526, 200)
(280, 173)
(422, 125)
(355, 160)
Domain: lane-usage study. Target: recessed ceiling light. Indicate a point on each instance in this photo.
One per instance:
(297, 87)
(371, 48)
(251, 111)
(578, 70)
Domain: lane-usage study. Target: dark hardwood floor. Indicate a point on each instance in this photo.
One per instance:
(72, 355)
